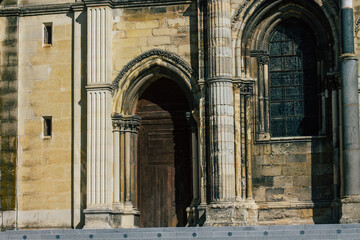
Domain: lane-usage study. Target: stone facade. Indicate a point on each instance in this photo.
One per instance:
(89, 81)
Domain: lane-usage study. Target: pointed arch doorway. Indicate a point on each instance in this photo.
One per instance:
(164, 162)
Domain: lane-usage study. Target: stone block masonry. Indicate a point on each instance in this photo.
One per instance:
(8, 117)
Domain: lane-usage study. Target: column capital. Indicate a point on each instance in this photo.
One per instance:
(263, 59)
(262, 56)
(126, 123)
(245, 88)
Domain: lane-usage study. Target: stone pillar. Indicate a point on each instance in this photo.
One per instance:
(220, 111)
(350, 116)
(263, 129)
(245, 206)
(237, 137)
(125, 215)
(78, 21)
(192, 213)
(99, 108)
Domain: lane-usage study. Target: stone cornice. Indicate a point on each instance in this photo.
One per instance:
(47, 9)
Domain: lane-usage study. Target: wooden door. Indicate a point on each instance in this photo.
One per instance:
(164, 156)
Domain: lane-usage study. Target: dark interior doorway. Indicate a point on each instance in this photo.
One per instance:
(164, 177)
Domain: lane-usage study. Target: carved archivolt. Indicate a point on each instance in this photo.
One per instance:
(157, 53)
(238, 11)
(152, 64)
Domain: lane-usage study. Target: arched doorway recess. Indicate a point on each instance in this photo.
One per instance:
(156, 87)
(164, 162)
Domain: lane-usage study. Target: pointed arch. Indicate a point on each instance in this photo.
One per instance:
(145, 69)
(255, 20)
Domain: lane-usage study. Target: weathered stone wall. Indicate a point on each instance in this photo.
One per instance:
(294, 175)
(45, 85)
(9, 2)
(8, 119)
(293, 180)
(137, 30)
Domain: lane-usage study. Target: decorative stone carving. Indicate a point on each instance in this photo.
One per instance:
(126, 123)
(245, 88)
(152, 53)
(263, 59)
(238, 12)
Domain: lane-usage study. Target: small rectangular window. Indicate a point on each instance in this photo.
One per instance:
(47, 34)
(47, 126)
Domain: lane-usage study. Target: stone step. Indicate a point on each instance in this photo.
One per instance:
(309, 232)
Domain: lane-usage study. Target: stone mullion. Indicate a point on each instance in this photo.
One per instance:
(220, 95)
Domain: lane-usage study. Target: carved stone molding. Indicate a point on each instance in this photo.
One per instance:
(152, 53)
(126, 123)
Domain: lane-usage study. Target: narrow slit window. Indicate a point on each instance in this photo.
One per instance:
(47, 34)
(47, 126)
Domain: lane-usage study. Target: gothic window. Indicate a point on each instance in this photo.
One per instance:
(293, 84)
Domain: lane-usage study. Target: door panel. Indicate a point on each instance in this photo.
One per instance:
(164, 156)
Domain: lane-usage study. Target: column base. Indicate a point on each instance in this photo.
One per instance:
(97, 219)
(350, 209)
(128, 218)
(107, 219)
(231, 214)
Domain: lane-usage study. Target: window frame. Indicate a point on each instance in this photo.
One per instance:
(47, 127)
(46, 40)
(262, 101)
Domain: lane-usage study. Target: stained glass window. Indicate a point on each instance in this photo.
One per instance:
(294, 100)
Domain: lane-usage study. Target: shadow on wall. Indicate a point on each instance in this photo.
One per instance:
(324, 191)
